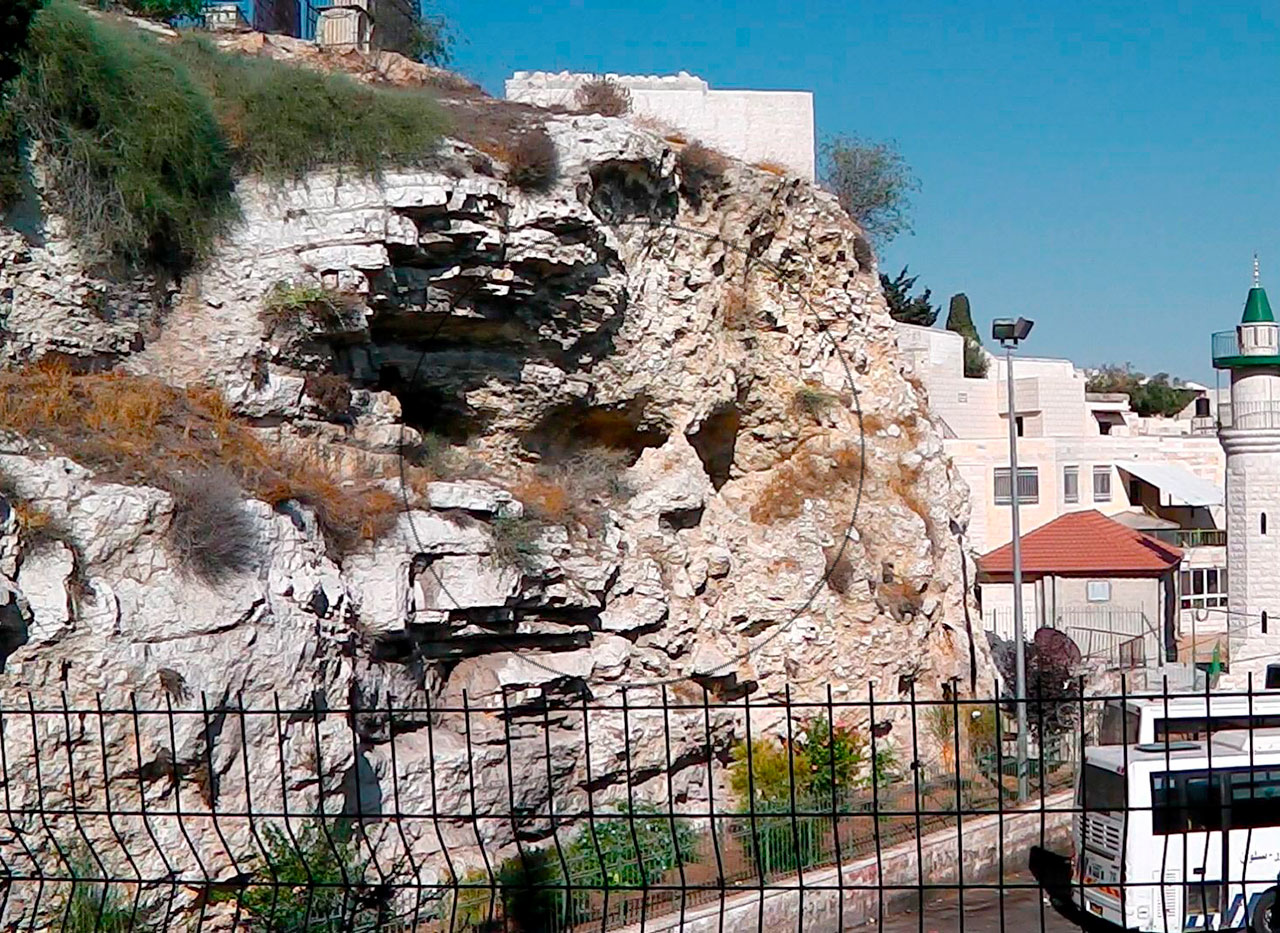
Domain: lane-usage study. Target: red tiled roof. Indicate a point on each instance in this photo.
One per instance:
(1083, 543)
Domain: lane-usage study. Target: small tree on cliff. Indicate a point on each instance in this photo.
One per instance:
(960, 321)
(873, 183)
(905, 307)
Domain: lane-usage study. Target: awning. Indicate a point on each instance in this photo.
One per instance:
(1177, 486)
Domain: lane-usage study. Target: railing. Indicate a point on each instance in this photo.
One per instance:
(1225, 345)
(1123, 638)
(1246, 415)
(524, 811)
(1189, 537)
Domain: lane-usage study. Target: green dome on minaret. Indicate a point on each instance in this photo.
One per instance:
(1257, 310)
(1253, 342)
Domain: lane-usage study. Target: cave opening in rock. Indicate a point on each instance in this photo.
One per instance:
(430, 409)
(715, 442)
(567, 429)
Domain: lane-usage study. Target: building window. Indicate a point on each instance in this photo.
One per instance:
(1203, 588)
(1018, 425)
(1264, 523)
(1264, 621)
(1102, 484)
(1070, 484)
(1028, 486)
(1098, 591)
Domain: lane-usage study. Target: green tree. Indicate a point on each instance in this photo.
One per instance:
(905, 307)
(1148, 395)
(960, 321)
(872, 182)
(431, 39)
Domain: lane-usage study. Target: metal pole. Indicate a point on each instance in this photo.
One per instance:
(1020, 645)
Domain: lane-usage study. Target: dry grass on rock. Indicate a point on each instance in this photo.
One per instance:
(807, 475)
(136, 429)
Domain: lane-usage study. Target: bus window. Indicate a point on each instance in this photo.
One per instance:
(1186, 802)
(1112, 732)
(1100, 790)
(1191, 728)
(1255, 798)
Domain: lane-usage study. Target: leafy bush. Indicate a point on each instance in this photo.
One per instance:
(872, 182)
(638, 847)
(284, 121)
(532, 161)
(312, 882)
(138, 164)
(833, 756)
(604, 96)
(211, 531)
(960, 321)
(701, 168)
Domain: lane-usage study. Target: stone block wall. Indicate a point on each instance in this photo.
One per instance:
(755, 126)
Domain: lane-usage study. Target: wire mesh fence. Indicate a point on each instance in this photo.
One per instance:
(653, 809)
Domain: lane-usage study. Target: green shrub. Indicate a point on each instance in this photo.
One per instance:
(313, 881)
(97, 906)
(765, 775)
(284, 121)
(305, 307)
(513, 541)
(833, 757)
(606, 854)
(165, 10)
(138, 164)
(525, 893)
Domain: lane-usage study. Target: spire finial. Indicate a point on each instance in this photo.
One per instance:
(1256, 278)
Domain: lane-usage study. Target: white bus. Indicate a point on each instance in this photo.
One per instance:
(1183, 718)
(1183, 835)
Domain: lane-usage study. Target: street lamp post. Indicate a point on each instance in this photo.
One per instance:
(1008, 333)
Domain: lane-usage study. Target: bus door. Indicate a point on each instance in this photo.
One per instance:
(1252, 856)
(1187, 862)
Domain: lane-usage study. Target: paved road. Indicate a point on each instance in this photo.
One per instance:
(1024, 912)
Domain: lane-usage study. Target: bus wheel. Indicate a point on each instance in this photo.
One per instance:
(1260, 922)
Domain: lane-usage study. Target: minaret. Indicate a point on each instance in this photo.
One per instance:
(1251, 439)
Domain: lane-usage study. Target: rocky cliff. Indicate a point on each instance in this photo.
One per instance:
(637, 430)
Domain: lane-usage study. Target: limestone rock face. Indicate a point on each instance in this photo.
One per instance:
(785, 514)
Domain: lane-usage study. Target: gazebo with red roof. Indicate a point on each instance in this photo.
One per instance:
(1083, 565)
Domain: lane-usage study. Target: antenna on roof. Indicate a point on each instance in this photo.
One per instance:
(1256, 277)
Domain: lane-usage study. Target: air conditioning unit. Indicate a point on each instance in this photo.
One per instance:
(224, 17)
(344, 27)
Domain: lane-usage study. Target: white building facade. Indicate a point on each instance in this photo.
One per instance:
(755, 126)
(1078, 451)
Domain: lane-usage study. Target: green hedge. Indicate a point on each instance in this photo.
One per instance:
(144, 137)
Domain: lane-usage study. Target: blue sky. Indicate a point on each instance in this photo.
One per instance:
(1105, 169)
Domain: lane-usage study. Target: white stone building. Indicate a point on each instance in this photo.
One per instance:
(755, 126)
(1078, 451)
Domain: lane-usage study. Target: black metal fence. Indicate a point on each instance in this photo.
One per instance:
(658, 808)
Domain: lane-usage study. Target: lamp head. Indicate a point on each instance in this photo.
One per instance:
(1008, 332)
